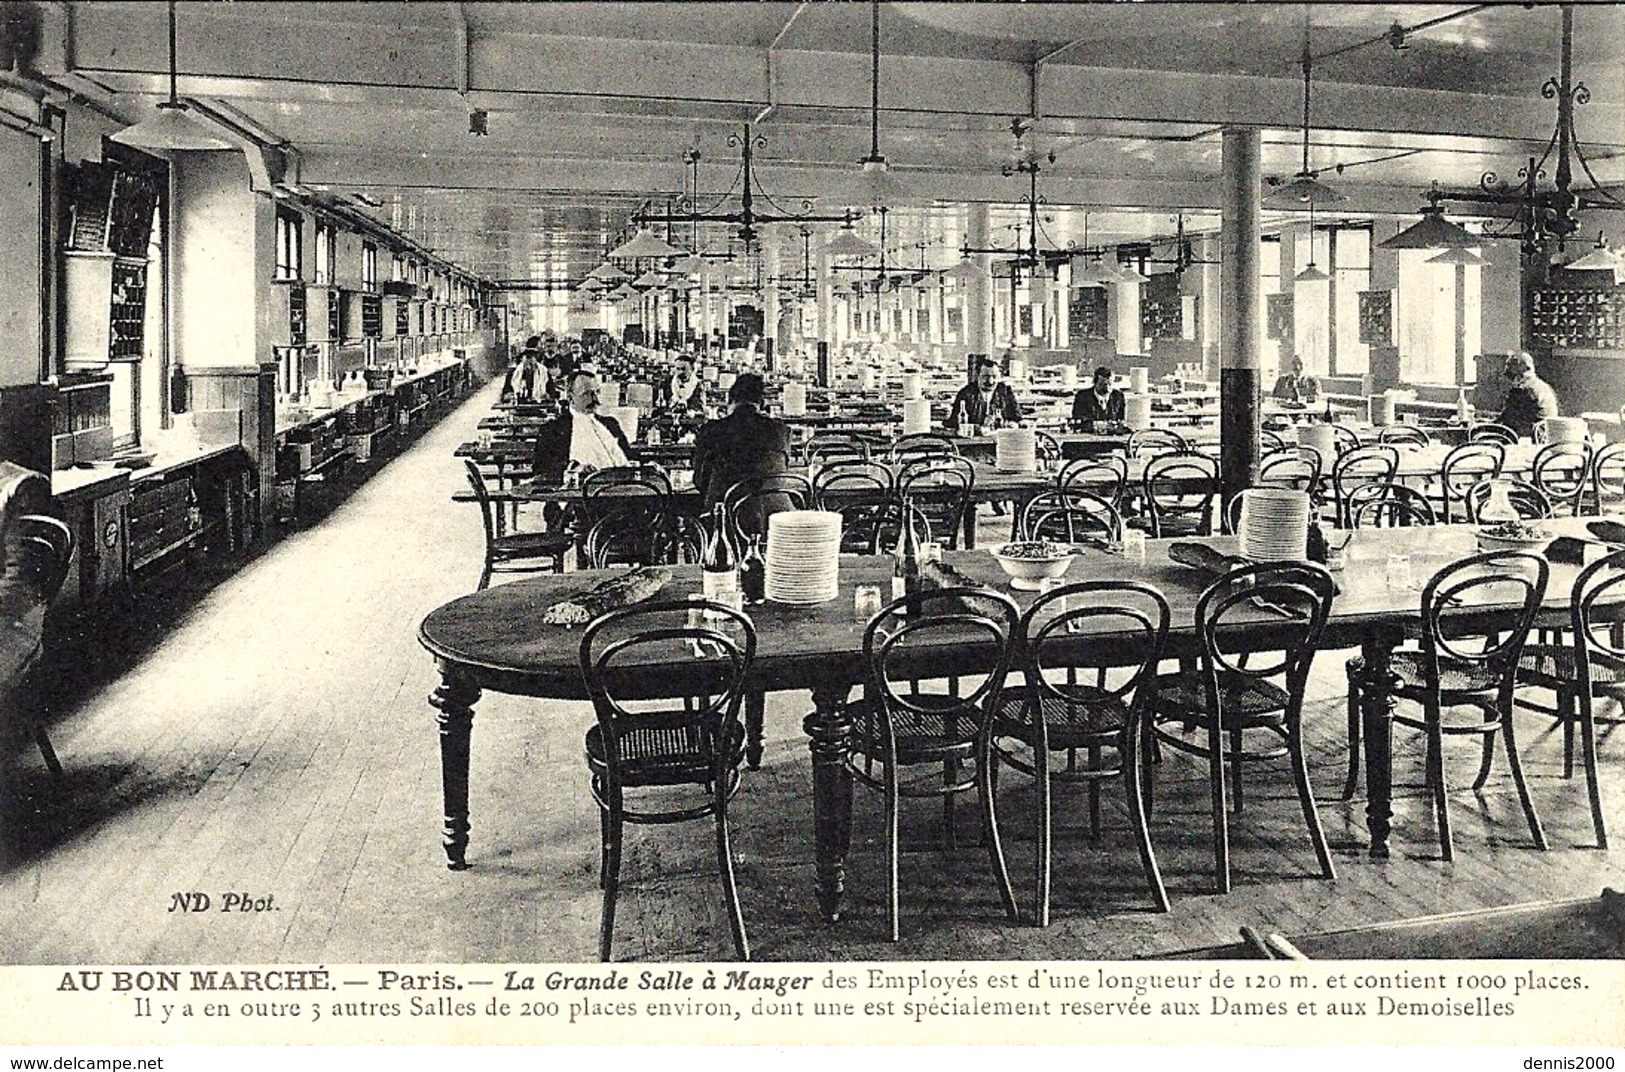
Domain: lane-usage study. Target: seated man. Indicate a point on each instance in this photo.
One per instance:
(745, 443)
(525, 379)
(1530, 399)
(580, 435)
(984, 402)
(681, 392)
(1101, 403)
(1297, 386)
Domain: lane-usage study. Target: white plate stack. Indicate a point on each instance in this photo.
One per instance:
(866, 378)
(1321, 438)
(725, 380)
(1382, 409)
(1069, 377)
(641, 395)
(916, 416)
(803, 556)
(1137, 411)
(709, 373)
(1565, 429)
(1274, 524)
(912, 386)
(1015, 450)
(1018, 369)
(1139, 379)
(794, 399)
(609, 393)
(626, 417)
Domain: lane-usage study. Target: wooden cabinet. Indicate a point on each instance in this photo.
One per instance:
(107, 308)
(1579, 317)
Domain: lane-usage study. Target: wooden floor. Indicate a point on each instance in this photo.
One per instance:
(273, 740)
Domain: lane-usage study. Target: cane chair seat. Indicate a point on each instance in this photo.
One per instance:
(1072, 721)
(674, 753)
(1457, 678)
(1244, 704)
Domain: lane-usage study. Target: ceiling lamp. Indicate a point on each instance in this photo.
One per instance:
(608, 273)
(1461, 256)
(1305, 188)
(689, 265)
(965, 271)
(1093, 273)
(171, 128)
(591, 283)
(874, 185)
(846, 243)
(1312, 272)
(1433, 231)
(649, 279)
(1600, 258)
(646, 244)
(1126, 274)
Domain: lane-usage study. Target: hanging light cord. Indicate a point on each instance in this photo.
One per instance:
(174, 96)
(1308, 63)
(874, 80)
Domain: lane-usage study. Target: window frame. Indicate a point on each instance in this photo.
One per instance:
(290, 245)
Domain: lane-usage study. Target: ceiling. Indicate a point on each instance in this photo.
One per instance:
(591, 107)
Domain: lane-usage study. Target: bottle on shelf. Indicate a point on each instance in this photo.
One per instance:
(1464, 408)
(1330, 416)
(753, 572)
(719, 563)
(905, 577)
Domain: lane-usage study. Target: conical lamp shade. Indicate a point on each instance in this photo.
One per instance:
(1093, 274)
(646, 244)
(591, 283)
(690, 264)
(1304, 189)
(965, 271)
(608, 273)
(873, 186)
(1433, 231)
(847, 244)
(1598, 259)
(1127, 274)
(1312, 273)
(1457, 256)
(651, 278)
(171, 128)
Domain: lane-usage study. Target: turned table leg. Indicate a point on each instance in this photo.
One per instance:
(829, 731)
(1377, 683)
(455, 700)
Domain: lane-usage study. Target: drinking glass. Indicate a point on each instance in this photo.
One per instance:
(866, 602)
(1134, 546)
(1398, 572)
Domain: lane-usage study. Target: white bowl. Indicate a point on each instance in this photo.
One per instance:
(1027, 574)
(1533, 545)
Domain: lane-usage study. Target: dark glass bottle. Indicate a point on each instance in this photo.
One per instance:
(906, 559)
(1317, 549)
(719, 564)
(753, 572)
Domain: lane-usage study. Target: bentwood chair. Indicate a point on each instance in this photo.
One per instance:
(753, 500)
(834, 445)
(1464, 467)
(1373, 464)
(1345, 440)
(1386, 506)
(1589, 667)
(903, 723)
(1452, 670)
(1054, 711)
(513, 552)
(1492, 432)
(917, 445)
(1608, 479)
(1405, 436)
(1293, 467)
(634, 504)
(1270, 441)
(1069, 515)
(940, 485)
(1233, 697)
(659, 734)
(1527, 501)
(1048, 450)
(1106, 476)
(850, 480)
(876, 529)
(1562, 472)
(1178, 491)
(633, 539)
(42, 547)
(1152, 441)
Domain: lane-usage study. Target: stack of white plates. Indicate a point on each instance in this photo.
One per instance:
(1069, 377)
(609, 393)
(794, 398)
(1274, 524)
(725, 380)
(803, 556)
(866, 378)
(1565, 429)
(911, 386)
(1015, 450)
(1137, 411)
(1018, 369)
(626, 417)
(916, 416)
(1321, 438)
(641, 395)
(709, 373)
(1139, 379)
(1382, 409)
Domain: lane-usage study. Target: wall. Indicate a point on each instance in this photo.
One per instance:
(221, 235)
(20, 353)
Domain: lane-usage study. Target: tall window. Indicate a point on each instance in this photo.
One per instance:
(397, 269)
(1438, 318)
(1311, 301)
(1351, 273)
(369, 266)
(324, 253)
(1269, 280)
(290, 247)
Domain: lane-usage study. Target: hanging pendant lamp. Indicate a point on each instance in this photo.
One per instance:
(171, 128)
(1599, 258)
(846, 243)
(608, 273)
(1312, 272)
(646, 244)
(1457, 256)
(874, 185)
(1304, 188)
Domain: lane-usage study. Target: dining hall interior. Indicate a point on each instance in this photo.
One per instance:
(297, 295)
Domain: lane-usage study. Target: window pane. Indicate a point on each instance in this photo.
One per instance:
(1427, 318)
(1310, 300)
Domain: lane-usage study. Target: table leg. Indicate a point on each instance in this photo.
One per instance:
(969, 526)
(455, 700)
(829, 731)
(1377, 683)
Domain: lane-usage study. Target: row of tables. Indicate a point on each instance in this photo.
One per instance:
(477, 647)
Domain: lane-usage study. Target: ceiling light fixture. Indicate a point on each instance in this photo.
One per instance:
(1305, 188)
(1433, 231)
(171, 128)
(1458, 255)
(646, 244)
(846, 244)
(1600, 258)
(875, 184)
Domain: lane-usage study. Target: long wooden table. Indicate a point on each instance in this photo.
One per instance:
(493, 640)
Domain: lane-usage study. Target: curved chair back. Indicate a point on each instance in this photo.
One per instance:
(1106, 476)
(831, 446)
(632, 501)
(1465, 466)
(1048, 450)
(1344, 440)
(1382, 506)
(753, 500)
(44, 545)
(940, 486)
(1528, 501)
(849, 481)
(1179, 490)
(1152, 441)
(1491, 432)
(1502, 575)
(1597, 638)
(1408, 436)
(630, 539)
(1069, 515)
(491, 515)
(1608, 478)
(1296, 598)
(917, 445)
(1133, 613)
(1291, 467)
(1374, 464)
(876, 529)
(1269, 441)
(1562, 472)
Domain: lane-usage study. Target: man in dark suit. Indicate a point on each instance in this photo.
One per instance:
(681, 392)
(1098, 404)
(984, 402)
(745, 443)
(580, 435)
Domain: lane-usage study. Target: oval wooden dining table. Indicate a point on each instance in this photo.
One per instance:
(494, 640)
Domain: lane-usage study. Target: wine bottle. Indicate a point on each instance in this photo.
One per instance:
(719, 564)
(905, 579)
(753, 572)
(1316, 549)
